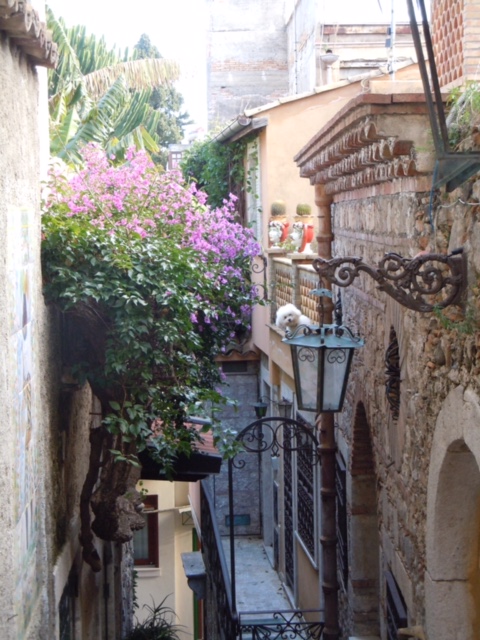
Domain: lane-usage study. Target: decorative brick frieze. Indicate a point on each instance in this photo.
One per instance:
(370, 142)
(447, 39)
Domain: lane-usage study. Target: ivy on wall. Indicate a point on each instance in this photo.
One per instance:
(220, 169)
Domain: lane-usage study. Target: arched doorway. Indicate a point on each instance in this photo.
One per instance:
(452, 578)
(363, 578)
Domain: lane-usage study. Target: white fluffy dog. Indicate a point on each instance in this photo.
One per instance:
(289, 317)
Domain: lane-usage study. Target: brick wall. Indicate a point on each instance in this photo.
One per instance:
(447, 38)
(456, 40)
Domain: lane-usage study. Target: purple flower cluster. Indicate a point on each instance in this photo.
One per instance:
(140, 199)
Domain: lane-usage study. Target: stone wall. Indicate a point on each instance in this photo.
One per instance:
(438, 353)
(242, 388)
(45, 422)
(26, 372)
(301, 32)
(438, 356)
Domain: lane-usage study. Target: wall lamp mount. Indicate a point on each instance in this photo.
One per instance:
(427, 282)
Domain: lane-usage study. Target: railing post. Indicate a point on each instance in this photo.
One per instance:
(232, 536)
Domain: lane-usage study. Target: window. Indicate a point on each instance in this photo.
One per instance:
(253, 195)
(145, 541)
(235, 367)
(397, 616)
(305, 498)
(66, 608)
(392, 372)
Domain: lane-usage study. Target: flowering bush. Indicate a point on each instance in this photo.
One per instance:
(157, 283)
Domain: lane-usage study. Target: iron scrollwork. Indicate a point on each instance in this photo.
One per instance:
(283, 624)
(259, 266)
(224, 616)
(424, 283)
(274, 435)
(392, 372)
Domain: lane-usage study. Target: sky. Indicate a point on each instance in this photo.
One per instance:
(176, 27)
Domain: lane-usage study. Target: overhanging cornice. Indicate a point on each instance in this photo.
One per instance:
(22, 24)
(370, 141)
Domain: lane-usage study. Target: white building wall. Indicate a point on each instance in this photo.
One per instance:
(167, 583)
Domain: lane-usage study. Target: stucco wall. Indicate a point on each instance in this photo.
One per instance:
(25, 372)
(44, 432)
(167, 583)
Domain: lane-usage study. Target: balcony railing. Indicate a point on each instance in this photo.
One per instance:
(222, 620)
(291, 282)
(256, 625)
(220, 615)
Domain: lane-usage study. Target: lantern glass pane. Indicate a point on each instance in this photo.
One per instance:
(336, 365)
(307, 373)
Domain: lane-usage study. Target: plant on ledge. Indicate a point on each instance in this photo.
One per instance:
(156, 283)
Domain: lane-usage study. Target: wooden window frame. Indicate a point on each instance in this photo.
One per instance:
(151, 516)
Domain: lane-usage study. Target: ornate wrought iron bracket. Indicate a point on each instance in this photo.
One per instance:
(424, 283)
(259, 266)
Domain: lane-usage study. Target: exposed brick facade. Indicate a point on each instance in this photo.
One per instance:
(447, 39)
(456, 40)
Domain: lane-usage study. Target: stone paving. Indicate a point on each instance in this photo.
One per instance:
(258, 585)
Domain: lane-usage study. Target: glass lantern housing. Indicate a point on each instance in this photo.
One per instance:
(321, 359)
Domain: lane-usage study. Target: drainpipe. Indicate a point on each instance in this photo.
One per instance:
(326, 426)
(234, 127)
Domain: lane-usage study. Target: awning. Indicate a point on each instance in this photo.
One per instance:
(202, 462)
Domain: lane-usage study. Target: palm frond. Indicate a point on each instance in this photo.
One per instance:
(62, 131)
(139, 74)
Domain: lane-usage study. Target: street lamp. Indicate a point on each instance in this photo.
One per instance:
(284, 408)
(260, 408)
(321, 359)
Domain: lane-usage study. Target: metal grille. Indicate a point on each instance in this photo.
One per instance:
(66, 608)
(305, 499)
(392, 372)
(342, 532)
(223, 620)
(281, 624)
(397, 617)
(288, 506)
(276, 540)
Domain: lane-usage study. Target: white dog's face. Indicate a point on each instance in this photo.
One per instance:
(287, 316)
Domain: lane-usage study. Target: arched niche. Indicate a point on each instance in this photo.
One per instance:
(452, 578)
(364, 533)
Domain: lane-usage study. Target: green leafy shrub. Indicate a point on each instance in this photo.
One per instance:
(156, 284)
(217, 168)
(463, 112)
(158, 625)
